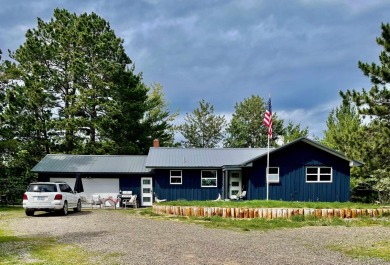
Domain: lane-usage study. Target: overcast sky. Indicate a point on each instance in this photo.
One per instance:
(303, 52)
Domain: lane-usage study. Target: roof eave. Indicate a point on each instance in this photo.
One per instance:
(96, 173)
(355, 163)
(183, 167)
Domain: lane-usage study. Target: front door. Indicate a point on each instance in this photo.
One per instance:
(235, 183)
(146, 191)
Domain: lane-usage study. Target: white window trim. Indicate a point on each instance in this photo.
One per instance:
(278, 175)
(216, 179)
(181, 178)
(319, 174)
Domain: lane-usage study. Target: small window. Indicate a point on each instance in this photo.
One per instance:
(273, 175)
(209, 178)
(146, 199)
(146, 190)
(176, 177)
(235, 192)
(235, 184)
(318, 174)
(146, 181)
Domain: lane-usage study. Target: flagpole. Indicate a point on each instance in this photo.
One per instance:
(268, 136)
(267, 169)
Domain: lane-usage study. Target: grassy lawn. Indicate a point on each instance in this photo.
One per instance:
(274, 204)
(42, 250)
(379, 249)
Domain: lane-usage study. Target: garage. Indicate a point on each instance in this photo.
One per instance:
(105, 187)
(103, 175)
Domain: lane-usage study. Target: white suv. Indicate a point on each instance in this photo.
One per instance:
(50, 196)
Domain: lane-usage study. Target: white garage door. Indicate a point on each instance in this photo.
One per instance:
(105, 187)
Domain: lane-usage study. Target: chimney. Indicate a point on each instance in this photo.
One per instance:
(156, 143)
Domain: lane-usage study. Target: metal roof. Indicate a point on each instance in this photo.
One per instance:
(160, 157)
(122, 164)
(313, 143)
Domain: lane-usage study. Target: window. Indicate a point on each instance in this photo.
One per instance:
(209, 178)
(273, 175)
(65, 188)
(42, 188)
(146, 181)
(318, 174)
(176, 177)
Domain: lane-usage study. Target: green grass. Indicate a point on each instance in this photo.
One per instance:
(43, 250)
(273, 204)
(34, 250)
(263, 224)
(379, 249)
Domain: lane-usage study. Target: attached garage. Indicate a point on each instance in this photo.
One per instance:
(105, 187)
(102, 175)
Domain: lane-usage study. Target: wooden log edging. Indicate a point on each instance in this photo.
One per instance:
(267, 213)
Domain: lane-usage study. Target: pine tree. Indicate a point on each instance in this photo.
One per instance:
(293, 132)
(374, 105)
(77, 75)
(246, 128)
(202, 128)
(158, 119)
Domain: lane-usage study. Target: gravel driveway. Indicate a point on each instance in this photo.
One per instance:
(154, 241)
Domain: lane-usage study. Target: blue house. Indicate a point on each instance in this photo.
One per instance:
(302, 170)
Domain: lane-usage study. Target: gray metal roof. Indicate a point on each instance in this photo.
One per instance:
(61, 163)
(313, 143)
(161, 157)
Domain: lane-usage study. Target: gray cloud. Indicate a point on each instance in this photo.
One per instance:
(303, 52)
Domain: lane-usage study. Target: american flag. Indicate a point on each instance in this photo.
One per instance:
(268, 118)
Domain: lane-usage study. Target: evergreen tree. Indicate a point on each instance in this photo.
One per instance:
(375, 106)
(344, 134)
(202, 128)
(19, 149)
(158, 119)
(121, 125)
(72, 89)
(344, 128)
(246, 128)
(78, 72)
(292, 132)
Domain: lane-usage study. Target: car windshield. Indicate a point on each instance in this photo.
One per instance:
(42, 188)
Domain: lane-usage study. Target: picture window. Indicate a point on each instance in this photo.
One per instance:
(318, 174)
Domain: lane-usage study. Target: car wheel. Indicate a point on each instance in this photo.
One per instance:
(64, 210)
(78, 208)
(29, 213)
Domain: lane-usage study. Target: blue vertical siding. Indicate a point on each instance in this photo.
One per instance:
(132, 182)
(292, 162)
(190, 189)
